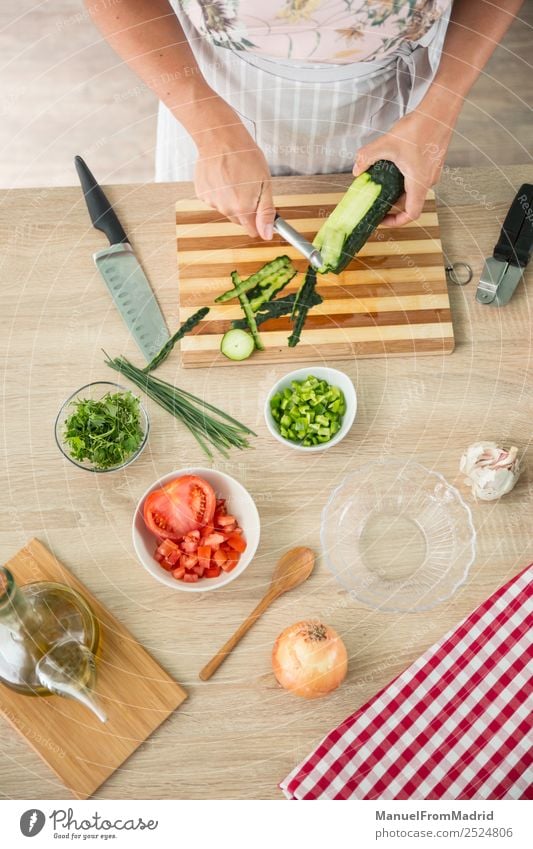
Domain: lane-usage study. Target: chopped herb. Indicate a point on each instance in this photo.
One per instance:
(104, 432)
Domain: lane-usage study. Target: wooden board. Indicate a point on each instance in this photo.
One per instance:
(135, 692)
(391, 300)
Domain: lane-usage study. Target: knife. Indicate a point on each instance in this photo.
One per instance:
(503, 270)
(121, 271)
(294, 238)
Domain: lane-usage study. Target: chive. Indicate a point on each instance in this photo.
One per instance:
(209, 425)
(186, 327)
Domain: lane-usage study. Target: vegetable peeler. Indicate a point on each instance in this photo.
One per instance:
(294, 238)
(502, 271)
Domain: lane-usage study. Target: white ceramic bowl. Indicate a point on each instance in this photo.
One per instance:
(334, 378)
(240, 504)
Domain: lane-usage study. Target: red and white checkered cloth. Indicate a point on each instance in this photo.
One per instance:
(455, 725)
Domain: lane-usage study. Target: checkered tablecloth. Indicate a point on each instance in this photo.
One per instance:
(457, 724)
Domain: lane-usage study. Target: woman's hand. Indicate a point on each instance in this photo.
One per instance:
(232, 175)
(417, 145)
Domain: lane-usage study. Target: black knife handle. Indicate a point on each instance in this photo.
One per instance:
(102, 213)
(516, 238)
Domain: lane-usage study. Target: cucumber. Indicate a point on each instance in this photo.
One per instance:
(237, 345)
(357, 215)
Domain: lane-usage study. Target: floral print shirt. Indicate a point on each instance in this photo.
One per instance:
(325, 31)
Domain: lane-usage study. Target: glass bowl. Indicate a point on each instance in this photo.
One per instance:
(397, 536)
(95, 391)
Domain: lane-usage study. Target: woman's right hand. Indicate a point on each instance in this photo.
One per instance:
(232, 175)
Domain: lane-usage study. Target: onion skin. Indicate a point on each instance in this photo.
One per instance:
(309, 659)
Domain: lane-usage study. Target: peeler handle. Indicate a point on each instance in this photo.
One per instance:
(515, 243)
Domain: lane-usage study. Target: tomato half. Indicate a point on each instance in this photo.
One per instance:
(182, 505)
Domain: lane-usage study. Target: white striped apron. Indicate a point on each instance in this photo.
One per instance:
(307, 118)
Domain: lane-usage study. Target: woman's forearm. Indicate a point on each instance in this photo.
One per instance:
(475, 29)
(147, 35)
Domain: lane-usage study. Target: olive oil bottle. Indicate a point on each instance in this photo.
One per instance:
(49, 639)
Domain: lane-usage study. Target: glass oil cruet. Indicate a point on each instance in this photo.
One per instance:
(49, 639)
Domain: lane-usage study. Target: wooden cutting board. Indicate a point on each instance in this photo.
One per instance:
(135, 692)
(391, 300)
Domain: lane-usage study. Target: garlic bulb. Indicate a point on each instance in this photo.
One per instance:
(491, 471)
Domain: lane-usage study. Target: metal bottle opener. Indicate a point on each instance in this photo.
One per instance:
(503, 270)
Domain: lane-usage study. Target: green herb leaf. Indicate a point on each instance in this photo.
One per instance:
(105, 432)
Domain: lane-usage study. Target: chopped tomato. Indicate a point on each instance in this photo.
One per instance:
(167, 547)
(223, 520)
(232, 558)
(204, 555)
(205, 551)
(188, 560)
(236, 542)
(189, 545)
(168, 554)
(214, 540)
(183, 505)
(219, 557)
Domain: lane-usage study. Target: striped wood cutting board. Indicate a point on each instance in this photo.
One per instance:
(391, 300)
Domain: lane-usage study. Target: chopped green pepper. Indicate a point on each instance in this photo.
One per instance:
(309, 412)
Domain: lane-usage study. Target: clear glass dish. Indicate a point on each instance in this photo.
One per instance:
(95, 391)
(397, 536)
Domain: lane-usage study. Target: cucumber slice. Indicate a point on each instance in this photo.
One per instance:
(237, 345)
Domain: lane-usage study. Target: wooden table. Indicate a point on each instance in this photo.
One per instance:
(239, 734)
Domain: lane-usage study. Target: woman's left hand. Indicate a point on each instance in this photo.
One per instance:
(417, 145)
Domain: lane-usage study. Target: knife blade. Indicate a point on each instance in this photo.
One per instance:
(121, 271)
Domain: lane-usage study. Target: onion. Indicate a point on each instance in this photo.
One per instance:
(309, 659)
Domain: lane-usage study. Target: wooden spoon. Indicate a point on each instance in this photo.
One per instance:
(292, 570)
